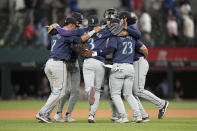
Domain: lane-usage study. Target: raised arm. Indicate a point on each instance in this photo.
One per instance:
(64, 32)
(144, 50)
(140, 47)
(133, 31)
(87, 36)
(109, 49)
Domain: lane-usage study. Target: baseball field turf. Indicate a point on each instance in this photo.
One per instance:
(19, 116)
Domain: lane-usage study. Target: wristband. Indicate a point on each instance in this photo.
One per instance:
(94, 53)
(91, 33)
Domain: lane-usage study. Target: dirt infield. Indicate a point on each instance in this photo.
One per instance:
(101, 113)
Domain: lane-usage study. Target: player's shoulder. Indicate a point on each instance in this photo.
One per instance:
(105, 29)
(57, 36)
(138, 42)
(81, 29)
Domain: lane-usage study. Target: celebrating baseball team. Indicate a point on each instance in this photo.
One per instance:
(114, 47)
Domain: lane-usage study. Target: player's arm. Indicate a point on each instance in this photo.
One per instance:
(123, 33)
(133, 31)
(106, 51)
(87, 36)
(142, 48)
(110, 49)
(64, 32)
(78, 32)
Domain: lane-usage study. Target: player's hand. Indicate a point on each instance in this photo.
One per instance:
(123, 33)
(51, 27)
(125, 23)
(97, 29)
(55, 25)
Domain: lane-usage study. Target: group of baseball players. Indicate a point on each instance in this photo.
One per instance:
(116, 47)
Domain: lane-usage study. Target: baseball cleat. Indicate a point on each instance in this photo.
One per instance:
(137, 119)
(122, 120)
(114, 118)
(58, 117)
(91, 119)
(68, 118)
(145, 119)
(43, 119)
(91, 96)
(163, 110)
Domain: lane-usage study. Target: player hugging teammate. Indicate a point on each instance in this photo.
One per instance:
(115, 42)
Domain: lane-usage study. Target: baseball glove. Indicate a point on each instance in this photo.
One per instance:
(51, 27)
(115, 28)
(83, 50)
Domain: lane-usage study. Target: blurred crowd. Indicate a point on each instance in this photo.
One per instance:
(163, 23)
(25, 20)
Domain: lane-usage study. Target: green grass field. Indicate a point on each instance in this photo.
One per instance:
(166, 124)
(35, 104)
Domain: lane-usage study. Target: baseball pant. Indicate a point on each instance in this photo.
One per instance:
(56, 73)
(72, 90)
(121, 78)
(141, 68)
(142, 111)
(93, 72)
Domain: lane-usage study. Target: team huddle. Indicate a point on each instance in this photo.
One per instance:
(112, 47)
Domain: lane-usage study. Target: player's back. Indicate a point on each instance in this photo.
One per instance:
(98, 42)
(125, 48)
(60, 47)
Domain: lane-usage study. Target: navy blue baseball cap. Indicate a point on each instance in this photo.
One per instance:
(70, 20)
(78, 16)
(93, 20)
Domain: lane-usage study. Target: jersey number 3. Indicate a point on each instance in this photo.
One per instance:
(91, 42)
(128, 49)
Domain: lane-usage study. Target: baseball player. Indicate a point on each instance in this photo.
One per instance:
(141, 68)
(93, 69)
(93, 22)
(56, 68)
(112, 14)
(122, 75)
(73, 81)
